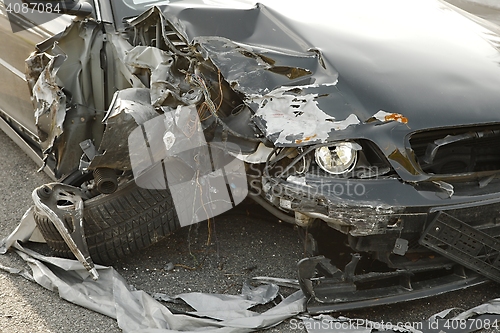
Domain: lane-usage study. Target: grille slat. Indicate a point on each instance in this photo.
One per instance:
(458, 151)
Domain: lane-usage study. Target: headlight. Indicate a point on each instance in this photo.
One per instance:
(339, 158)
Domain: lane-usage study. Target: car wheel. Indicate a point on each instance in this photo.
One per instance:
(119, 223)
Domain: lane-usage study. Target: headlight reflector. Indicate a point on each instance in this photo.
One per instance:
(337, 159)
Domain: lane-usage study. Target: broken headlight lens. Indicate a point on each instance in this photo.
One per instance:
(339, 158)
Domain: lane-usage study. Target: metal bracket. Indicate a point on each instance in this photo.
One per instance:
(63, 205)
(88, 148)
(89, 151)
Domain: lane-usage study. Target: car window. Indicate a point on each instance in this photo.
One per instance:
(125, 9)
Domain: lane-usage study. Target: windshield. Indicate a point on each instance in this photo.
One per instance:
(125, 9)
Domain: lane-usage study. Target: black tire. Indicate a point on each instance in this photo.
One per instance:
(118, 224)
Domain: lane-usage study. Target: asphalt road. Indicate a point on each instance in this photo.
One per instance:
(241, 247)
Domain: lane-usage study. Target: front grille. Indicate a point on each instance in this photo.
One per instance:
(458, 151)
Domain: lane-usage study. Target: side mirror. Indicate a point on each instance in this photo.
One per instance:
(70, 7)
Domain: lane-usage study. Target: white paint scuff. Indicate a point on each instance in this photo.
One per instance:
(297, 118)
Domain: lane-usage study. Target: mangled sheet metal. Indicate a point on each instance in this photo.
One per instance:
(129, 109)
(286, 112)
(288, 81)
(288, 91)
(67, 92)
(48, 96)
(296, 119)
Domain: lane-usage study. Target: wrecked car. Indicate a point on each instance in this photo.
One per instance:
(372, 125)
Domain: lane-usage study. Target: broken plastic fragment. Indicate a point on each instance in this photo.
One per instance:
(222, 306)
(448, 189)
(290, 283)
(26, 230)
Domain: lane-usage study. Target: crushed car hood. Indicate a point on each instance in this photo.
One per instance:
(420, 60)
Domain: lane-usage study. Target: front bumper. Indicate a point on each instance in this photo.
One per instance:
(391, 221)
(384, 206)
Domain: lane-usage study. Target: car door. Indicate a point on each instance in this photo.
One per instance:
(32, 27)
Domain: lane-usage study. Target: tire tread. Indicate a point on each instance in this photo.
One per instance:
(119, 224)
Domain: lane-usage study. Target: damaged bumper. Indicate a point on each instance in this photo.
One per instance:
(378, 206)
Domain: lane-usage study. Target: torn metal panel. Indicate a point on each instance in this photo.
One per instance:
(121, 73)
(66, 80)
(251, 70)
(48, 96)
(162, 80)
(281, 79)
(389, 79)
(129, 109)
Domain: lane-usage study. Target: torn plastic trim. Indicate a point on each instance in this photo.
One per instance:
(464, 244)
(331, 289)
(63, 203)
(343, 213)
